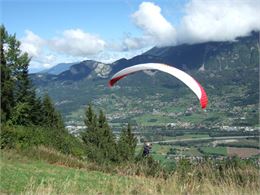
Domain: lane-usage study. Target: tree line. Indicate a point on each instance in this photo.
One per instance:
(28, 120)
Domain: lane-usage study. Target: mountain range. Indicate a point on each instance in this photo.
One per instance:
(59, 68)
(229, 72)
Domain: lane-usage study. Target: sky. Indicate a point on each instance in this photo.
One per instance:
(64, 31)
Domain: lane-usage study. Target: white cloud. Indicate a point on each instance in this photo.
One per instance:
(218, 20)
(42, 62)
(110, 56)
(76, 42)
(130, 43)
(32, 44)
(203, 20)
(149, 18)
(73, 44)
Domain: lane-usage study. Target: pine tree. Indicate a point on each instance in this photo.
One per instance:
(19, 102)
(7, 84)
(23, 91)
(123, 150)
(108, 143)
(90, 119)
(36, 112)
(28, 109)
(98, 137)
(132, 141)
(127, 144)
(18, 99)
(51, 118)
(90, 136)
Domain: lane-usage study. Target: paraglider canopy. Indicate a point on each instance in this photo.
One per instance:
(179, 74)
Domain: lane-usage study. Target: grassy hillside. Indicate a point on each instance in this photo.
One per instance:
(27, 176)
(21, 174)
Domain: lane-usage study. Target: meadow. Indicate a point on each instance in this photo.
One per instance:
(46, 171)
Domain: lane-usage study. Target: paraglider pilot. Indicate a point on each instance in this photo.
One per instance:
(147, 148)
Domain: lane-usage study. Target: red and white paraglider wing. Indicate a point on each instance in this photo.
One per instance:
(179, 74)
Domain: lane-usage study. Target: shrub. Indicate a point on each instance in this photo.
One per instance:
(21, 137)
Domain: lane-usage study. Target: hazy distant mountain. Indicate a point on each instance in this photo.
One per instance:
(59, 68)
(229, 72)
(210, 55)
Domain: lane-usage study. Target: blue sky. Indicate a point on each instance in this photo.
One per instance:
(109, 18)
(55, 31)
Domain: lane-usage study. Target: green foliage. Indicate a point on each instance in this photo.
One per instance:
(149, 167)
(91, 119)
(64, 142)
(22, 113)
(98, 138)
(19, 105)
(7, 83)
(36, 110)
(21, 137)
(126, 144)
(51, 118)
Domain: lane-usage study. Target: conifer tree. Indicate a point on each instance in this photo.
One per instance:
(51, 118)
(91, 135)
(7, 84)
(132, 141)
(108, 144)
(27, 110)
(23, 91)
(98, 137)
(90, 119)
(18, 97)
(19, 102)
(36, 109)
(127, 144)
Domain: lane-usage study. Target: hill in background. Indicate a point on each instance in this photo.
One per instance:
(229, 72)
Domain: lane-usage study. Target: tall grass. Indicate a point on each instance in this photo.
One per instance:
(69, 175)
(53, 156)
(141, 185)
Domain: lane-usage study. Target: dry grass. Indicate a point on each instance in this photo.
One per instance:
(142, 185)
(201, 180)
(68, 175)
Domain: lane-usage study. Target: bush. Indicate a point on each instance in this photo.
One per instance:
(21, 137)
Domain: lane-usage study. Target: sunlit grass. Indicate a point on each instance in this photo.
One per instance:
(21, 175)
